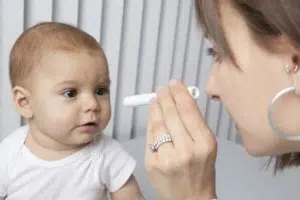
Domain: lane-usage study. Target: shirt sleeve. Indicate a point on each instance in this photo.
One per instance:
(117, 167)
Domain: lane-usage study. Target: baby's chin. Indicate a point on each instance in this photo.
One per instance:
(89, 138)
(82, 142)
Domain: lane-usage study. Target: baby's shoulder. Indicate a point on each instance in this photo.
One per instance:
(105, 144)
(13, 142)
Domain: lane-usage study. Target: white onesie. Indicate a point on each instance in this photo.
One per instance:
(85, 175)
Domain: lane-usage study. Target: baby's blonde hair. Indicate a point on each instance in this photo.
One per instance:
(43, 38)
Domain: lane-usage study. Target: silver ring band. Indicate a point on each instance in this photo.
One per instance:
(161, 139)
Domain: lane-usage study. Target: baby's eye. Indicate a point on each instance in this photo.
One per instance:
(70, 93)
(102, 91)
(212, 52)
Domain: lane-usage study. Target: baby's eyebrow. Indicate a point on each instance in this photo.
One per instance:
(105, 80)
(66, 82)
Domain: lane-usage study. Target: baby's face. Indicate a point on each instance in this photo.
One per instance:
(70, 96)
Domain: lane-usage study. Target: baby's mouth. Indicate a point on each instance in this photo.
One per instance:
(90, 124)
(90, 127)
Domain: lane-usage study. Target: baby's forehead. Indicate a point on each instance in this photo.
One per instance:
(35, 43)
(61, 57)
(80, 65)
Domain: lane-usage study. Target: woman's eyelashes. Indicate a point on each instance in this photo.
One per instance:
(212, 52)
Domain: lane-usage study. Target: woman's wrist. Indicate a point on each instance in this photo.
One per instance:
(202, 198)
(207, 196)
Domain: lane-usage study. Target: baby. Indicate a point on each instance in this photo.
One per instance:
(60, 83)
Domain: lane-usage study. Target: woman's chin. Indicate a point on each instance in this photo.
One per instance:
(255, 151)
(255, 146)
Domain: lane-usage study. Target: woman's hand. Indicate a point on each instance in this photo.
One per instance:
(182, 169)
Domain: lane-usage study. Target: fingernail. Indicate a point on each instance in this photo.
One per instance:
(159, 89)
(174, 81)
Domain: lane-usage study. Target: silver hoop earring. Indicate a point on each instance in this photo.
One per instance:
(271, 109)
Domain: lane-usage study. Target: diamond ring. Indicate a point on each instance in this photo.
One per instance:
(161, 139)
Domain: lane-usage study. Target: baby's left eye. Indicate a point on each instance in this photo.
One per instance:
(70, 93)
(102, 91)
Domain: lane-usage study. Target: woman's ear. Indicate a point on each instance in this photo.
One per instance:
(295, 71)
(22, 102)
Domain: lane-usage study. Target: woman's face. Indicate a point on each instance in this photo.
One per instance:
(247, 90)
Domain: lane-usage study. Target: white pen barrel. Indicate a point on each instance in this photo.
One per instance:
(135, 100)
(144, 99)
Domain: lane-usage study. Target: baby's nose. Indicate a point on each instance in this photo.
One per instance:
(90, 104)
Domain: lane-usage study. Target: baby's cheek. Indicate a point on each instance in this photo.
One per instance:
(105, 116)
(58, 126)
(63, 116)
(57, 115)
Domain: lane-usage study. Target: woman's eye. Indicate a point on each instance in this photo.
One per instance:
(102, 91)
(70, 93)
(212, 52)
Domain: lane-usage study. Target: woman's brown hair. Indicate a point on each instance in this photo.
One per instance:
(267, 21)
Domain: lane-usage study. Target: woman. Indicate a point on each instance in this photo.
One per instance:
(255, 74)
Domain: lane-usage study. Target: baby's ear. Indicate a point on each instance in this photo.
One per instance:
(22, 101)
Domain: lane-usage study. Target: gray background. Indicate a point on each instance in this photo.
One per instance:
(147, 42)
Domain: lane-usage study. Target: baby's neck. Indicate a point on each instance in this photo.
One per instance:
(35, 142)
